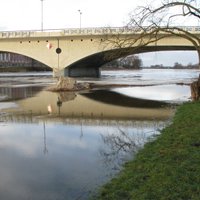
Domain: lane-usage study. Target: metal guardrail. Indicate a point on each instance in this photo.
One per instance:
(82, 31)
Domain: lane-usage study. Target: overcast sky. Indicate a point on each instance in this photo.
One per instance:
(26, 14)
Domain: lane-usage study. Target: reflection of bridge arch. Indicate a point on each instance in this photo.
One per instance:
(114, 98)
(91, 107)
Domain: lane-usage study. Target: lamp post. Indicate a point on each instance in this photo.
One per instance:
(80, 17)
(42, 14)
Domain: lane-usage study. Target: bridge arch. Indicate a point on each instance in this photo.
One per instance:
(89, 65)
(10, 61)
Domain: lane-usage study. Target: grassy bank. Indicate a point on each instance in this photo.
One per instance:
(167, 168)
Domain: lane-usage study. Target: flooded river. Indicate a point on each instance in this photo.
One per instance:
(66, 145)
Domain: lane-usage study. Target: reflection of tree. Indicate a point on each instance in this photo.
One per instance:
(119, 146)
(120, 142)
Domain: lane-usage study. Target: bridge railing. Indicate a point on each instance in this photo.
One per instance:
(81, 31)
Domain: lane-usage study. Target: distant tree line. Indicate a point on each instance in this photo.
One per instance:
(188, 66)
(175, 66)
(129, 62)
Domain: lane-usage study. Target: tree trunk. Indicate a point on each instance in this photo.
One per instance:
(198, 52)
(195, 90)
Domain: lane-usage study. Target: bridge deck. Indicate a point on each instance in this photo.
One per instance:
(80, 32)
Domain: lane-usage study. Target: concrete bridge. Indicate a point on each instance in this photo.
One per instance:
(81, 52)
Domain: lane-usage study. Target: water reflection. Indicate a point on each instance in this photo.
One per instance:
(45, 142)
(167, 93)
(70, 151)
(126, 141)
(64, 154)
(17, 93)
(53, 160)
(94, 105)
(118, 99)
(25, 174)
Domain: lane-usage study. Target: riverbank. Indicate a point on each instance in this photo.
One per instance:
(166, 168)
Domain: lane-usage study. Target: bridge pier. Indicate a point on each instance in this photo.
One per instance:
(58, 73)
(82, 72)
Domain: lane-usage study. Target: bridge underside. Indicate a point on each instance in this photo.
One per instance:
(89, 66)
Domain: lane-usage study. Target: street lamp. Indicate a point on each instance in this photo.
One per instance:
(80, 17)
(42, 14)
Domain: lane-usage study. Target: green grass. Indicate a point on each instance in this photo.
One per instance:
(165, 169)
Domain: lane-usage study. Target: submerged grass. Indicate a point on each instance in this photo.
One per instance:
(165, 169)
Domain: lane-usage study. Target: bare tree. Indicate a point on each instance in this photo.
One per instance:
(153, 23)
